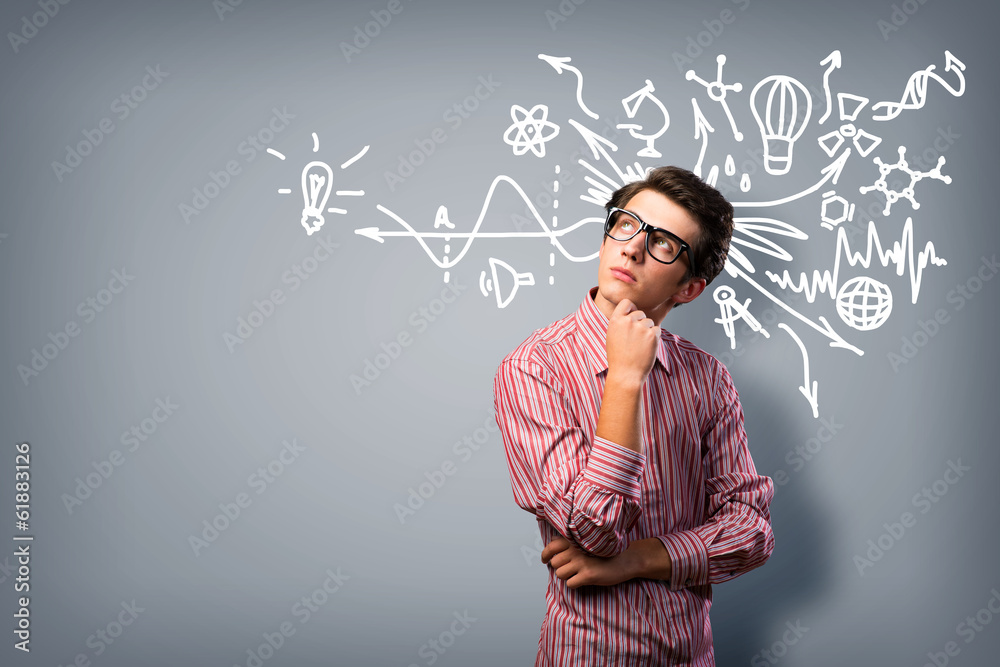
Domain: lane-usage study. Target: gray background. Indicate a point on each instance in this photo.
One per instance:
(468, 548)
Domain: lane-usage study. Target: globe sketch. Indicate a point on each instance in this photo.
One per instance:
(864, 303)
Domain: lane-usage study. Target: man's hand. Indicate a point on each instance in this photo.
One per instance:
(631, 343)
(645, 558)
(577, 568)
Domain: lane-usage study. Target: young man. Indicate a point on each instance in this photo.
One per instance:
(627, 443)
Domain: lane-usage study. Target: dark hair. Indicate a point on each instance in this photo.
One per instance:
(706, 205)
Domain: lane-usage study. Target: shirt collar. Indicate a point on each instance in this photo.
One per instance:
(592, 326)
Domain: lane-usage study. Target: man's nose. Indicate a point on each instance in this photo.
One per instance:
(635, 246)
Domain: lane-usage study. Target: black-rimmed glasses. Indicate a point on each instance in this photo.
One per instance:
(661, 245)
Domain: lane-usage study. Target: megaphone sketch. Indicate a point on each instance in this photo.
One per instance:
(486, 286)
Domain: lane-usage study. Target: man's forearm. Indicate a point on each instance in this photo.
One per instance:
(620, 418)
(646, 559)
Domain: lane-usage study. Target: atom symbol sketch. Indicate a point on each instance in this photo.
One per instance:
(528, 132)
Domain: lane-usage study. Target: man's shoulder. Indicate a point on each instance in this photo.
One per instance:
(689, 355)
(538, 346)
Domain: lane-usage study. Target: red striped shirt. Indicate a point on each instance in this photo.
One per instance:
(694, 487)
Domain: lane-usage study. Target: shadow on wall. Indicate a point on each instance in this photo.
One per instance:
(756, 618)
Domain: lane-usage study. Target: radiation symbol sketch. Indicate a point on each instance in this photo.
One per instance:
(864, 303)
(529, 130)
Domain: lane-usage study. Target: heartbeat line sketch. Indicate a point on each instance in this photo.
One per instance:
(900, 254)
(561, 65)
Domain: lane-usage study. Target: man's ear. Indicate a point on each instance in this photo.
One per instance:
(690, 291)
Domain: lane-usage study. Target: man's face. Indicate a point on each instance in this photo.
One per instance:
(626, 271)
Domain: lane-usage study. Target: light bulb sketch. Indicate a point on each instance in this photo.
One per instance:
(317, 181)
(777, 103)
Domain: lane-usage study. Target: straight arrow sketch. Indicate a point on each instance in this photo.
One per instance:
(811, 392)
(561, 65)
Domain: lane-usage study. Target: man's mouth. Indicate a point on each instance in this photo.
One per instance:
(623, 275)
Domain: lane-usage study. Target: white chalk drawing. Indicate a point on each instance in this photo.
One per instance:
(561, 65)
(531, 130)
(447, 262)
(864, 142)
(810, 391)
(864, 303)
(915, 94)
(486, 285)
(900, 254)
(834, 63)
(781, 106)
(733, 311)
(632, 104)
(601, 190)
(831, 173)
(317, 186)
(831, 217)
(317, 183)
(892, 196)
(717, 91)
(701, 130)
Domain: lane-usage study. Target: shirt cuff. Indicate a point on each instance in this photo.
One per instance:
(615, 468)
(688, 559)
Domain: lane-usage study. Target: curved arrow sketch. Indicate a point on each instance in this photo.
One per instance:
(811, 392)
(561, 65)
(832, 172)
(834, 60)
(701, 130)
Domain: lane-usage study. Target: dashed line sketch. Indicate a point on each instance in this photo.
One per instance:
(733, 311)
(915, 94)
(781, 106)
(892, 196)
(561, 65)
(809, 390)
(487, 285)
(717, 91)
(531, 130)
(900, 254)
(632, 103)
(864, 142)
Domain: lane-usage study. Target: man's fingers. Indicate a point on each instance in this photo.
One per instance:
(557, 545)
(624, 307)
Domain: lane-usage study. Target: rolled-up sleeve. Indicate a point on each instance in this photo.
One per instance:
(588, 491)
(736, 535)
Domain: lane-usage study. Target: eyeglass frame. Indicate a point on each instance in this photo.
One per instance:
(645, 226)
